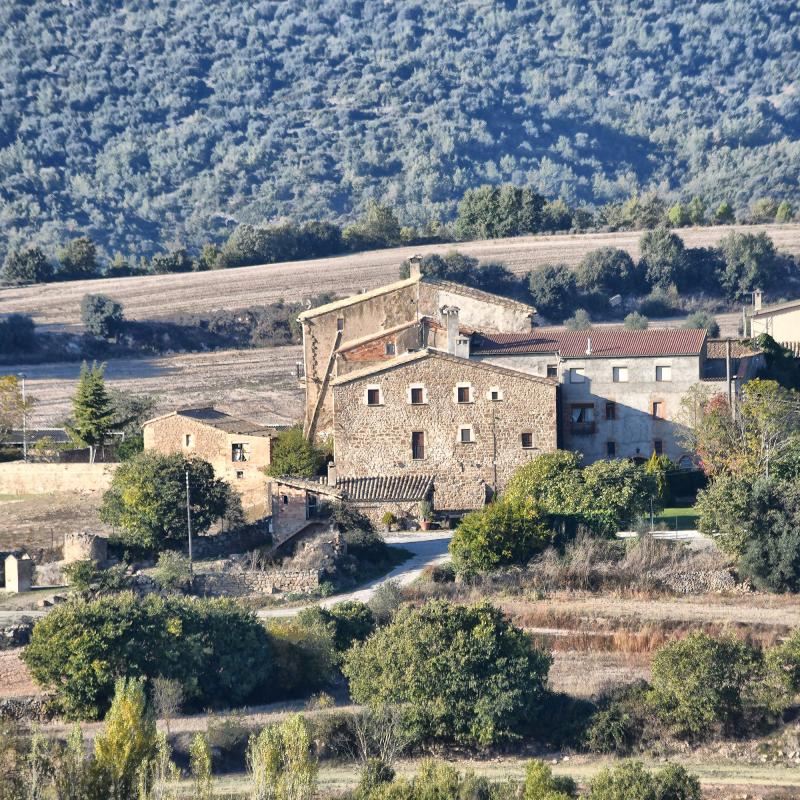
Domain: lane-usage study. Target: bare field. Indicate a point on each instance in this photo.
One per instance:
(259, 384)
(57, 305)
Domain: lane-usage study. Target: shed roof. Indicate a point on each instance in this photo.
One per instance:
(387, 488)
(605, 342)
(208, 415)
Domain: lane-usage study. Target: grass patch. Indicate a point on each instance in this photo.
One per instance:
(678, 518)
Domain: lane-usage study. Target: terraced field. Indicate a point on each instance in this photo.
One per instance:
(57, 305)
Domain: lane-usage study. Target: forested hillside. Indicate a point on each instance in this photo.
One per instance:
(148, 122)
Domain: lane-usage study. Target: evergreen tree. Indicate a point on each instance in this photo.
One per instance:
(92, 409)
(697, 211)
(79, 258)
(784, 212)
(724, 214)
(26, 266)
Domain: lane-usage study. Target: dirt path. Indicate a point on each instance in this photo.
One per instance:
(57, 305)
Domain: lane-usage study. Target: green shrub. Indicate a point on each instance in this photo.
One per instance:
(502, 533)
(385, 601)
(463, 674)
(293, 454)
(303, 655)
(700, 684)
(216, 649)
(632, 781)
(173, 571)
(89, 580)
(541, 784)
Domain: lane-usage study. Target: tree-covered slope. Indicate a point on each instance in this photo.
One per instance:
(143, 122)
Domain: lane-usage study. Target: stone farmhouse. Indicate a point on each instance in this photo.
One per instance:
(781, 321)
(237, 449)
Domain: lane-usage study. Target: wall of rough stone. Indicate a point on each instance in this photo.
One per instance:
(83, 545)
(234, 582)
(19, 477)
(168, 435)
(377, 440)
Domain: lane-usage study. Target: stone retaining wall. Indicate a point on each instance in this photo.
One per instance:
(698, 581)
(17, 634)
(29, 709)
(19, 477)
(239, 583)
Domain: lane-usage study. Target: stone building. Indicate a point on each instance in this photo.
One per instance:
(781, 321)
(466, 423)
(395, 309)
(621, 390)
(237, 449)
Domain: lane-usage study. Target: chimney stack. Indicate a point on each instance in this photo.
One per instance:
(331, 474)
(589, 345)
(450, 315)
(415, 267)
(758, 297)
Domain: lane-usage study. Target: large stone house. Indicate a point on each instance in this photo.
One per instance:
(236, 448)
(397, 310)
(781, 321)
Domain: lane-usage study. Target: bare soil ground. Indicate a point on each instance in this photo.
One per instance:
(57, 305)
(41, 521)
(259, 384)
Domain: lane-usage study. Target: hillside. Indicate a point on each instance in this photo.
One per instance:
(145, 124)
(57, 305)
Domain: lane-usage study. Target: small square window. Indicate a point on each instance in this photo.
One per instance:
(658, 410)
(373, 397)
(527, 440)
(611, 449)
(619, 374)
(239, 474)
(390, 348)
(611, 411)
(340, 323)
(658, 447)
(240, 451)
(417, 396)
(577, 375)
(463, 394)
(465, 435)
(663, 373)
(552, 370)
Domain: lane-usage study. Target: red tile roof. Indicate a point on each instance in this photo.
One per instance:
(606, 342)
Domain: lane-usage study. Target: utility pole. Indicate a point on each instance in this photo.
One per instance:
(24, 421)
(189, 522)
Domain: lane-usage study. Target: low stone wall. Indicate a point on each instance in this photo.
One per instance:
(17, 634)
(83, 545)
(698, 581)
(28, 709)
(239, 541)
(19, 477)
(240, 583)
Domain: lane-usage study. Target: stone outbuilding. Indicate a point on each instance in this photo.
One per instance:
(19, 568)
(237, 449)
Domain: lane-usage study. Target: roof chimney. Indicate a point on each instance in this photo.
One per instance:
(589, 345)
(331, 474)
(415, 267)
(450, 315)
(758, 296)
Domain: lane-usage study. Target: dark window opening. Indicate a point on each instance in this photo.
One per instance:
(239, 474)
(311, 506)
(463, 394)
(373, 397)
(552, 370)
(417, 397)
(527, 440)
(466, 435)
(390, 348)
(611, 449)
(285, 499)
(658, 410)
(611, 411)
(340, 323)
(658, 447)
(495, 394)
(417, 445)
(240, 451)
(582, 419)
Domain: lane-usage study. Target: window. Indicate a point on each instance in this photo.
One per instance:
(658, 447)
(285, 499)
(582, 418)
(527, 440)
(611, 449)
(658, 409)
(552, 370)
(611, 410)
(188, 440)
(619, 374)
(663, 373)
(494, 394)
(417, 445)
(239, 474)
(390, 348)
(340, 323)
(577, 375)
(417, 396)
(463, 393)
(374, 396)
(311, 506)
(465, 434)
(240, 451)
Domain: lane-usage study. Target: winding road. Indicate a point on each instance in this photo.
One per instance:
(428, 548)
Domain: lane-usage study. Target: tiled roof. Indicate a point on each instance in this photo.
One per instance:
(766, 311)
(605, 342)
(740, 348)
(397, 488)
(478, 294)
(210, 416)
(32, 435)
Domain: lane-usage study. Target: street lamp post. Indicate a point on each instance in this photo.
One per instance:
(24, 421)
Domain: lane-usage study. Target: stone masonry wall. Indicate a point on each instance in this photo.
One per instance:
(376, 440)
(19, 477)
(241, 583)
